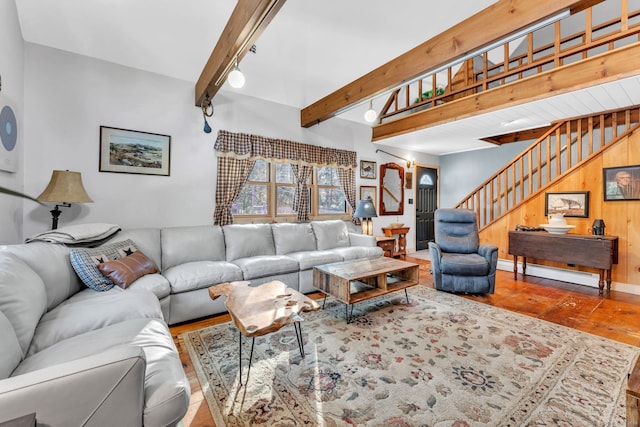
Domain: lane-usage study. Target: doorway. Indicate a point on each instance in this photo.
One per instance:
(426, 205)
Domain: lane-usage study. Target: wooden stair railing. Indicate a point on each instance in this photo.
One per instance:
(563, 148)
(480, 74)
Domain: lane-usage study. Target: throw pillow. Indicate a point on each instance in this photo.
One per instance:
(124, 271)
(85, 262)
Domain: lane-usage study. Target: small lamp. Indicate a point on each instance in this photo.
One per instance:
(365, 210)
(64, 188)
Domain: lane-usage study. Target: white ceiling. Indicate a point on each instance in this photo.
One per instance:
(309, 50)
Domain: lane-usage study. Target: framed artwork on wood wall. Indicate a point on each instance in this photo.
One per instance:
(621, 183)
(131, 151)
(571, 204)
(367, 169)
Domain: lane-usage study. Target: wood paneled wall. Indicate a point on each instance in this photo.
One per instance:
(622, 218)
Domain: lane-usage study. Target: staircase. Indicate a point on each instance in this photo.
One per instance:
(563, 148)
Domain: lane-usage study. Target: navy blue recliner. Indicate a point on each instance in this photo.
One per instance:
(458, 262)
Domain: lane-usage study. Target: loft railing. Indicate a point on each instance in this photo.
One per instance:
(564, 147)
(539, 51)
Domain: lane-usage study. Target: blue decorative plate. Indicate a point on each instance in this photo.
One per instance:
(8, 128)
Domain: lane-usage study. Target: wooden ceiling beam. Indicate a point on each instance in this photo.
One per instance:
(504, 18)
(518, 136)
(605, 67)
(248, 20)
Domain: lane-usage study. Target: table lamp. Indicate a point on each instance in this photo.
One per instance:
(365, 210)
(64, 188)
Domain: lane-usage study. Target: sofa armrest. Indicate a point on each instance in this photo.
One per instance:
(103, 389)
(356, 239)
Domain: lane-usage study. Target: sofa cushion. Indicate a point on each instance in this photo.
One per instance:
(165, 383)
(51, 262)
(155, 283)
(11, 351)
(22, 298)
(357, 252)
(124, 271)
(264, 266)
(85, 262)
(464, 264)
(307, 260)
(293, 237)
(330, 234)
(248, 240)
(201, 274)
(79, 314)
(181, 245)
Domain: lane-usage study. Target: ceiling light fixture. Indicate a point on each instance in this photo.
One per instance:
(236, 78)
(370, 115)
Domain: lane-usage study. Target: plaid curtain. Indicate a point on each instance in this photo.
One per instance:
(347, 179)
(232, 174)
(301, 174)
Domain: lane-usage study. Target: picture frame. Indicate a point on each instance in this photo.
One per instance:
(367, 169)
(574, 204)
(369, 191)
(621, 183)
(135, 152)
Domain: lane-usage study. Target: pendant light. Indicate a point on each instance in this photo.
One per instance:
(236, 78)
(370, 115)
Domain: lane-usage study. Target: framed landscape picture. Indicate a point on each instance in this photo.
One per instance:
(571, 204)
(368, 191)
(367, 169)
(131, 151)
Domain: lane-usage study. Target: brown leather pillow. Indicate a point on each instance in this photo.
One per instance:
(126, 270)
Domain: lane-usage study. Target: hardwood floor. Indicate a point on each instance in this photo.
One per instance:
(615, 316)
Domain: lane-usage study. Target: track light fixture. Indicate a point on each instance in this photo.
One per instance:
(370, 115)
(236, 78)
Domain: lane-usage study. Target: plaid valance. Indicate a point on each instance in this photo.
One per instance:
(254, 147)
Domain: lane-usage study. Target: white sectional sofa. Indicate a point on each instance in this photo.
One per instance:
(80, 356)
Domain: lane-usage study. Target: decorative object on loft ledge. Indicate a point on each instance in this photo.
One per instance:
(367, 169)
(205, 113)
(131, 151)
(370, 115)
(569, 203)
(409, 161)
(236, 78)
(621, 183)
(365, 211)
(64, 188)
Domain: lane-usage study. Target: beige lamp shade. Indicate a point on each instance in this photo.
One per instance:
(65, 187)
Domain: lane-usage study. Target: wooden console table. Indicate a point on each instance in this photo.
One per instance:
(402, 239)
(599, 252)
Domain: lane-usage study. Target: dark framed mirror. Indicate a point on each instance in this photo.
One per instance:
(391, 189)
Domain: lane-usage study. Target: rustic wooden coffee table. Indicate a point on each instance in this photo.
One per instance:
(358, 280)
(260, 310)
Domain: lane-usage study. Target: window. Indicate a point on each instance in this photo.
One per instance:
(271, 186)
(331, 198)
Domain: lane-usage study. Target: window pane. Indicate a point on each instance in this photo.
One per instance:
(332, 201)
(285, 200)
(284, 174)
(253, 200)
(260, 171)
(328, 175)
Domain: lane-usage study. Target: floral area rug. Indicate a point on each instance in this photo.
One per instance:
(439, 360)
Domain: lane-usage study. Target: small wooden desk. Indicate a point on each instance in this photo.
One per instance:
(388, 245)
(401, 249)
(599, 252)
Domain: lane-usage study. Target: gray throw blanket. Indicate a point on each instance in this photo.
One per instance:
(77, 234)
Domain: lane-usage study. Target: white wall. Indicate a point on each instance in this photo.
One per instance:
(68, 97)
(12, 94)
